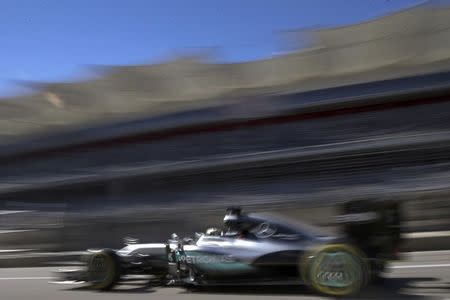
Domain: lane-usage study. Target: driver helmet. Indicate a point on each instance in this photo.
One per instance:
(231, 221)
(236, 223)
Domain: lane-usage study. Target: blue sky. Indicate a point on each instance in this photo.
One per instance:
(55, 40)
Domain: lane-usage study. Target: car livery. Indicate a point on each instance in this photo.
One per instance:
(255, 249)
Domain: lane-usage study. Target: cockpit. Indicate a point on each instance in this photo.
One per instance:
(255, 227)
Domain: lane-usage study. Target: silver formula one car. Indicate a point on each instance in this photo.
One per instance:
(255, 249)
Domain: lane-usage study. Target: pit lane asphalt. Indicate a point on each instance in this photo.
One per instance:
(422, 275)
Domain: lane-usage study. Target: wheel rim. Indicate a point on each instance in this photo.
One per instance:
(336, 270)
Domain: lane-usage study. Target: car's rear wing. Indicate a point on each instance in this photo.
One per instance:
(374, 225)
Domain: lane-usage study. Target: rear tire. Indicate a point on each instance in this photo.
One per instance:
(103, 270)
(336, 270)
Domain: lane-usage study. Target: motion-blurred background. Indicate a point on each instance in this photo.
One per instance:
(359, 109)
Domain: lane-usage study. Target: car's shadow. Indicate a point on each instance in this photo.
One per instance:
(393, 288)
(273, 290)
(128, 288)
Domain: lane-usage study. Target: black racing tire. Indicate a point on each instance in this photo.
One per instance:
(103, 270)
(335, 270)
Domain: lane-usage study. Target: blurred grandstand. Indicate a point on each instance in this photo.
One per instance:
(410, 42)
(363, 110)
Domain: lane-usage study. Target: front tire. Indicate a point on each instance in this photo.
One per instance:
(336, 270)
(103, 270)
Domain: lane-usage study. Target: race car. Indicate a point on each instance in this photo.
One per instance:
(252, 249)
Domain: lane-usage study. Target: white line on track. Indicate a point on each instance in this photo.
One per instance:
(420, 266)
(431, 234)
(14, 250)
(25, 278)
(428, 253)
